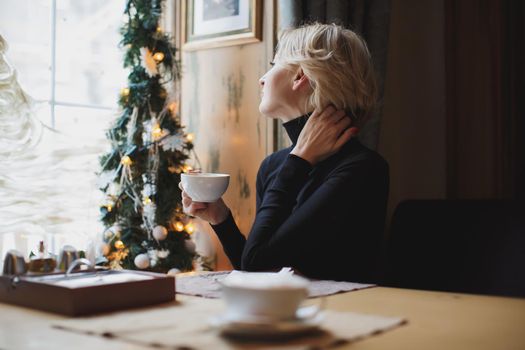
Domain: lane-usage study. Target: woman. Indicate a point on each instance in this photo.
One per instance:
(321, 202)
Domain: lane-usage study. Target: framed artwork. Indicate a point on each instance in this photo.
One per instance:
(216, 23)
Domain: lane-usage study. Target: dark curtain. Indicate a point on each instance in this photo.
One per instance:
(514, 97)
(369, 18)
(485, 55)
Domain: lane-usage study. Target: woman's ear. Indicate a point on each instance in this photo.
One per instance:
(301, 80)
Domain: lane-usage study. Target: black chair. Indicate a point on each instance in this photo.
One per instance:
(470, 246)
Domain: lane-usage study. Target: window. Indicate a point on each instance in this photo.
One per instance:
(67, 58)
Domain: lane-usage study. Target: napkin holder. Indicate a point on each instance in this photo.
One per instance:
(87, 292)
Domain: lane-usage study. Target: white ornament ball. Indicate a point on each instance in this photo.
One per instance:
(173, 272)
(108, 234)
(160, 233)
(117, 229)
(142, 261)
(190, 246)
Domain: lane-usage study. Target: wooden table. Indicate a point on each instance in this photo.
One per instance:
(435, 321)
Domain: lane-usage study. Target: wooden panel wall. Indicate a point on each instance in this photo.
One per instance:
(219, 104)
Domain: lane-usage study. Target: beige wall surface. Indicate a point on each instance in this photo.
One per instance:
(219, 104)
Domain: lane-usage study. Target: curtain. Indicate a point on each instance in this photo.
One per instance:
(48, 185)
(485, 106)
(513, 93)
(369, 18)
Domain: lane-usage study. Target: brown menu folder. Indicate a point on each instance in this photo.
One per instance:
(84, 293)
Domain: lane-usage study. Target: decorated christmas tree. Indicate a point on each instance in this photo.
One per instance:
(142, 213)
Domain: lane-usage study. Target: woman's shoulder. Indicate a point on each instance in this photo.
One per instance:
(357, 154)
(271, 163)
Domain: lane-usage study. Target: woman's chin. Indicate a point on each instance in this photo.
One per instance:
(267, 112)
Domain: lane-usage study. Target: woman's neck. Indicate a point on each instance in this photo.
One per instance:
(295, 109)
(293, 114)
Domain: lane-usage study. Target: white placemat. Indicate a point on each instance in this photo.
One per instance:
(186, 325)
(205, 285)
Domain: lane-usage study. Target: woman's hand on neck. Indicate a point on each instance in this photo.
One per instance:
(323, 135)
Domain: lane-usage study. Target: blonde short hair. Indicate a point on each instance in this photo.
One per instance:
(337, 63)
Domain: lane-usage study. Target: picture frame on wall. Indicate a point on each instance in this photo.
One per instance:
(216, 23)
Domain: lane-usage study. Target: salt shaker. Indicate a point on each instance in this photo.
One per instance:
(14, 263)
(67, 256)
(42, 262)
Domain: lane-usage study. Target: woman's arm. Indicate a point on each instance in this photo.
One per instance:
(228, 232)
(220, 218)
(232, 240)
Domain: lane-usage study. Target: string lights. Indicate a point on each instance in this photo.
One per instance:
(158, 56)
(173, 106)
(119, 244)
(179, 226)
(190, 228)
(157, 132)
(126, 161)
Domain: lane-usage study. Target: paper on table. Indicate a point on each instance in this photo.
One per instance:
(97, 280)
(185, 325)
(206, 285)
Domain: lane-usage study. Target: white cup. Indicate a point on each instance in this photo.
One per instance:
(205, 187)
(263, 296)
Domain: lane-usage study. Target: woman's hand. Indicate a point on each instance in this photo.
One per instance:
(324, 134)
(214, 213)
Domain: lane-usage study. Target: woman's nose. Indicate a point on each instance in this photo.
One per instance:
(261, 81)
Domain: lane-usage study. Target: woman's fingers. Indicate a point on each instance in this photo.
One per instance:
(328, 111)
(345, 137)
(199, 205)
(344, 123)
(354, 130)
(193, 207)
(322, 114)
(189, 205)
(340, 116)
(323, 134)
(186, 201)
(315, 114)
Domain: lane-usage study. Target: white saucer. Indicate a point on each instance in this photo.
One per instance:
(258, 327)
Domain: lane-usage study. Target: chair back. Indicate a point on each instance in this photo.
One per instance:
(471, 246)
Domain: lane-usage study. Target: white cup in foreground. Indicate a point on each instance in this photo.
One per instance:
(205, 187)
(262, 295)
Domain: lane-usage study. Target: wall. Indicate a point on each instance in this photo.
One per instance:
(412, 136)
(219, 104)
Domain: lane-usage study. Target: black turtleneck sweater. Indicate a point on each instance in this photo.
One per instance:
(325, 221)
